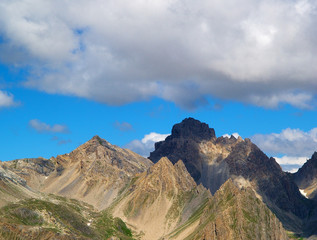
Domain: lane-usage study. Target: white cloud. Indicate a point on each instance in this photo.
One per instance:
(116, 52)
(236, 135)
(286, 160)
(290, 142)
(295, 145)
(42, 127)
(146, 145)
(6, 99)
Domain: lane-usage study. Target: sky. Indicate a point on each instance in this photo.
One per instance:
(129, 70)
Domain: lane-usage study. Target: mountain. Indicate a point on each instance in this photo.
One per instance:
(235, 213)
(306, 178)
(13, 188)
(53, 217)
(101, 191)
(212, 161)
(94, 172)
(165, 203)
(159, 199)
(29, 214)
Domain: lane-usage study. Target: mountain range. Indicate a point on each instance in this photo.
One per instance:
(193, 186)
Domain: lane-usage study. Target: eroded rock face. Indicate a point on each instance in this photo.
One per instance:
(211, 161)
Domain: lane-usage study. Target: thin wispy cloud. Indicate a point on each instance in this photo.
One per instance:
(123, 126)
(42, 127)
(7, 100)
(61, 141)
(117, 52)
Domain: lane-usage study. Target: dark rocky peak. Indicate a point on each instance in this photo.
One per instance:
(193, 129)
(309, 166)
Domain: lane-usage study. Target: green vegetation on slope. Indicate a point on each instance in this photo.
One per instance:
(59, 218)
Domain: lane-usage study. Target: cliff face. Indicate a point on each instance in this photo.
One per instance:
(212, 161)
(94, 172)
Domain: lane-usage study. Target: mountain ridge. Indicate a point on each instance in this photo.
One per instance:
(170, 198)
(212, 161)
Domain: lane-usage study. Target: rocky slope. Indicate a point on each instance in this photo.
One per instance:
(94, 172)
(234, 213)
(52, 217)
(212, 161)
(13, 188)
(29, 214)
(160, 199)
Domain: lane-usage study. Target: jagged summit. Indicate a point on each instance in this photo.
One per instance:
(194, 129)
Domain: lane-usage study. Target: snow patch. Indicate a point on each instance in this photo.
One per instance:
(303, 193)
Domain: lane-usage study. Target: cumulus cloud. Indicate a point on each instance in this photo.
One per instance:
(236, 135)
(42, 127)
(295, 145)
(123, 127)
(286, 160)
(115, 52)
(6, 99)
(291, 142)
(146, 145)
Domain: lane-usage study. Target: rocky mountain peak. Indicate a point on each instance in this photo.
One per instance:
(194, 129)
(173, 177)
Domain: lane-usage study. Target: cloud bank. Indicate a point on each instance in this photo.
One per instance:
(42, 127)
(296, 145)
(291, 142)
(146, 145)
(116, 52)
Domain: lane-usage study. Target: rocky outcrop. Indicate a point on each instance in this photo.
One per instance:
(212, 161)
(94, 172)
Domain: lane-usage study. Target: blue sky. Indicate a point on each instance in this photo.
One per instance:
(128, 72)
